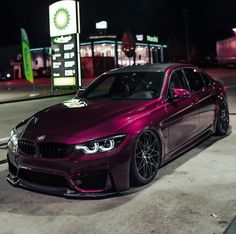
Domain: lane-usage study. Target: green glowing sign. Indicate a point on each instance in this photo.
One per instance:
(61, 18)
(64, 18)
(153, 39)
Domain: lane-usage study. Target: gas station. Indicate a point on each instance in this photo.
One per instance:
(68, 60)
(100, 54)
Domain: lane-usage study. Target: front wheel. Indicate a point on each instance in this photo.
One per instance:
(146, 159)
(222, 125)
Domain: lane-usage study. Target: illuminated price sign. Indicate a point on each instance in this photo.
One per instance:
(64, 60)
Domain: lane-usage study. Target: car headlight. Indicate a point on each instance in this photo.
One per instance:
(16, 133)
(100, 145)
(13, 141)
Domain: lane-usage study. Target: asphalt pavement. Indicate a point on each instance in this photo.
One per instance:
(20, 90)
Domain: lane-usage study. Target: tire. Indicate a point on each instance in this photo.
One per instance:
(222, 125)
(145, 161)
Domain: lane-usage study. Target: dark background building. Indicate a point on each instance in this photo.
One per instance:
(182, 25)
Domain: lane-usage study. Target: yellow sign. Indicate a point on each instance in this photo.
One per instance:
(64, 81)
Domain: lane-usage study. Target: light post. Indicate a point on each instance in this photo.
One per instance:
(234, 30)
(185, 12)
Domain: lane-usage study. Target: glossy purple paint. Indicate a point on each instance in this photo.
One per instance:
(179, 124)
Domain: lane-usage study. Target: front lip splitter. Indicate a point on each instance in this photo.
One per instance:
(65, 192)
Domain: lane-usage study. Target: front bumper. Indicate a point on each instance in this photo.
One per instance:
(65, 192)
(73, 176)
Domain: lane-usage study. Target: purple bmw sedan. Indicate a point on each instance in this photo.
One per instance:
(118, 131)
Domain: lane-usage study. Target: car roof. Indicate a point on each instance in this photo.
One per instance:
(156, 67)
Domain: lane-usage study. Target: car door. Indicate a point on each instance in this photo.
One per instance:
(183, 117)
(205, 99)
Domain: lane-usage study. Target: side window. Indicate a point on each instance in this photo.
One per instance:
(182, 78)
(177, 80)
(207, 79)
(194, 78)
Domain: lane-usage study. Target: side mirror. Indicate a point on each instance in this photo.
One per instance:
(179, 93)
(79, 92)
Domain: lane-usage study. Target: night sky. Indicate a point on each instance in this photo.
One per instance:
(208, 20)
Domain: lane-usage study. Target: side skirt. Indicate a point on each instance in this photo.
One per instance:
(186, 147)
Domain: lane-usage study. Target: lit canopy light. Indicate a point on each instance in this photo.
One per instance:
(153, 39)
(139, 37)
(102, 37)
(101, 25)
(234, 30)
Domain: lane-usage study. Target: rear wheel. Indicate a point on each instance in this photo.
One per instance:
(222, 126)
(146, 159)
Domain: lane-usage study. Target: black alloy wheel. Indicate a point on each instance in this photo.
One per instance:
(222, 126)
(146, 160)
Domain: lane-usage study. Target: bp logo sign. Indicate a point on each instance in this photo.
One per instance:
(61, 18)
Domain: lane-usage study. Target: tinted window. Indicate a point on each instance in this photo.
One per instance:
(177, 80)
(194, 78)
(132, 85)
(104, 89)
(207, 79)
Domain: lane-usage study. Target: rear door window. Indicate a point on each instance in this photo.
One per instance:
(207, 79)
(194, 78)
(177, 80)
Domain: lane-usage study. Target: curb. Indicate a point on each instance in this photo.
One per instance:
(3, 161)
(3, 144)
(231, 229)
(36, 98)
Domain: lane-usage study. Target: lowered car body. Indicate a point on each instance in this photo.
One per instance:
(118, 131)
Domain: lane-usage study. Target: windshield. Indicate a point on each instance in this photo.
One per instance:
(132, 85)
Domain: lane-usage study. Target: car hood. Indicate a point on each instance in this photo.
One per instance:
(87, 119)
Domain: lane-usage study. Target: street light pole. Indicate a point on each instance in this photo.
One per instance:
(234, 30)
(185, 11)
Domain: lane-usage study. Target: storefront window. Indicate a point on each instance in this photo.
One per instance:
(141, 56)
(86, 50)
(104, 50)
(38, 60)
(145, 53)
(48, 57)
(123, 60)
